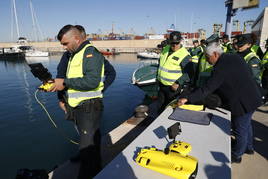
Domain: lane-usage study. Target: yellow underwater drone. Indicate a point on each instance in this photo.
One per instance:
(174, 161)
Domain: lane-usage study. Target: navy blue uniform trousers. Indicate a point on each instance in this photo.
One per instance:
(242, 130)
(87, 118)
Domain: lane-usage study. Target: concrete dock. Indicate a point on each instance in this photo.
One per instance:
(121, 46)
(255, 166)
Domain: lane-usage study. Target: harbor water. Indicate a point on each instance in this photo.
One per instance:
(28, 139)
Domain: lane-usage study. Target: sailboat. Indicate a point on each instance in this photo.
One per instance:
(29, 51)
(22, 45)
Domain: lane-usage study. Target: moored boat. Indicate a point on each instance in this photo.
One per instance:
(10, 54)
(148, 54)
(145, 78)
(108, 52)
(29, 51)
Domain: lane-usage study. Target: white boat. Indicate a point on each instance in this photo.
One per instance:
(148, 54)
(36, 53)
(29, 51)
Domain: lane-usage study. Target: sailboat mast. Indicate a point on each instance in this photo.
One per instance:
(16, 18)
(33, 19)
(12, 20)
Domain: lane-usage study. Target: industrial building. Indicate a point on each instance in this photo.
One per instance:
(260, 28)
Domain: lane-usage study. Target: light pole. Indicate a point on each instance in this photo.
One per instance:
(229, 17)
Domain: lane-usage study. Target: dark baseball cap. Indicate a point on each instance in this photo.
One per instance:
(225, 36)
(243, 39)
(213, 38)
(175, 37)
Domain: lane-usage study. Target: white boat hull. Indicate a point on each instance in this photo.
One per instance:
(152, 55)
(36, 54)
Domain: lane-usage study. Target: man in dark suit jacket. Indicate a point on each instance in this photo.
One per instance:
(232, 80)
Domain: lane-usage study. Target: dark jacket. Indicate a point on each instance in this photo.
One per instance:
(232, 80)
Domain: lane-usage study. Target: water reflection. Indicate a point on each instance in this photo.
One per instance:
(29, 103)
(12, 63)
(22, 70)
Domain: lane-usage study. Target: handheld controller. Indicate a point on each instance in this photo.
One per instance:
(42, 73)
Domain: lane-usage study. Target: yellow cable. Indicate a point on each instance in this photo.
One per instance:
(52, 121)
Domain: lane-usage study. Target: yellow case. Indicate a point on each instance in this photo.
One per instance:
(192, 107)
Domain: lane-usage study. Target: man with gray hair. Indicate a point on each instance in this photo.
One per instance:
(231, 79)
(210, 49)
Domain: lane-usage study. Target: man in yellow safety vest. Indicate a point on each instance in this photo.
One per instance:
(84, 84)
(173, 73)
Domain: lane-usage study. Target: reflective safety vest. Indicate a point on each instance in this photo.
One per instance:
(254, 48)
(75, 70)
(169, 68)
(204, 69)
(225, 47)
(264, 61)
(204, 65)
(248, 57)
(265, 57)
(196, 57)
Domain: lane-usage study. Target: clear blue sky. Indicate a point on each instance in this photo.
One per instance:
(140, 15)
